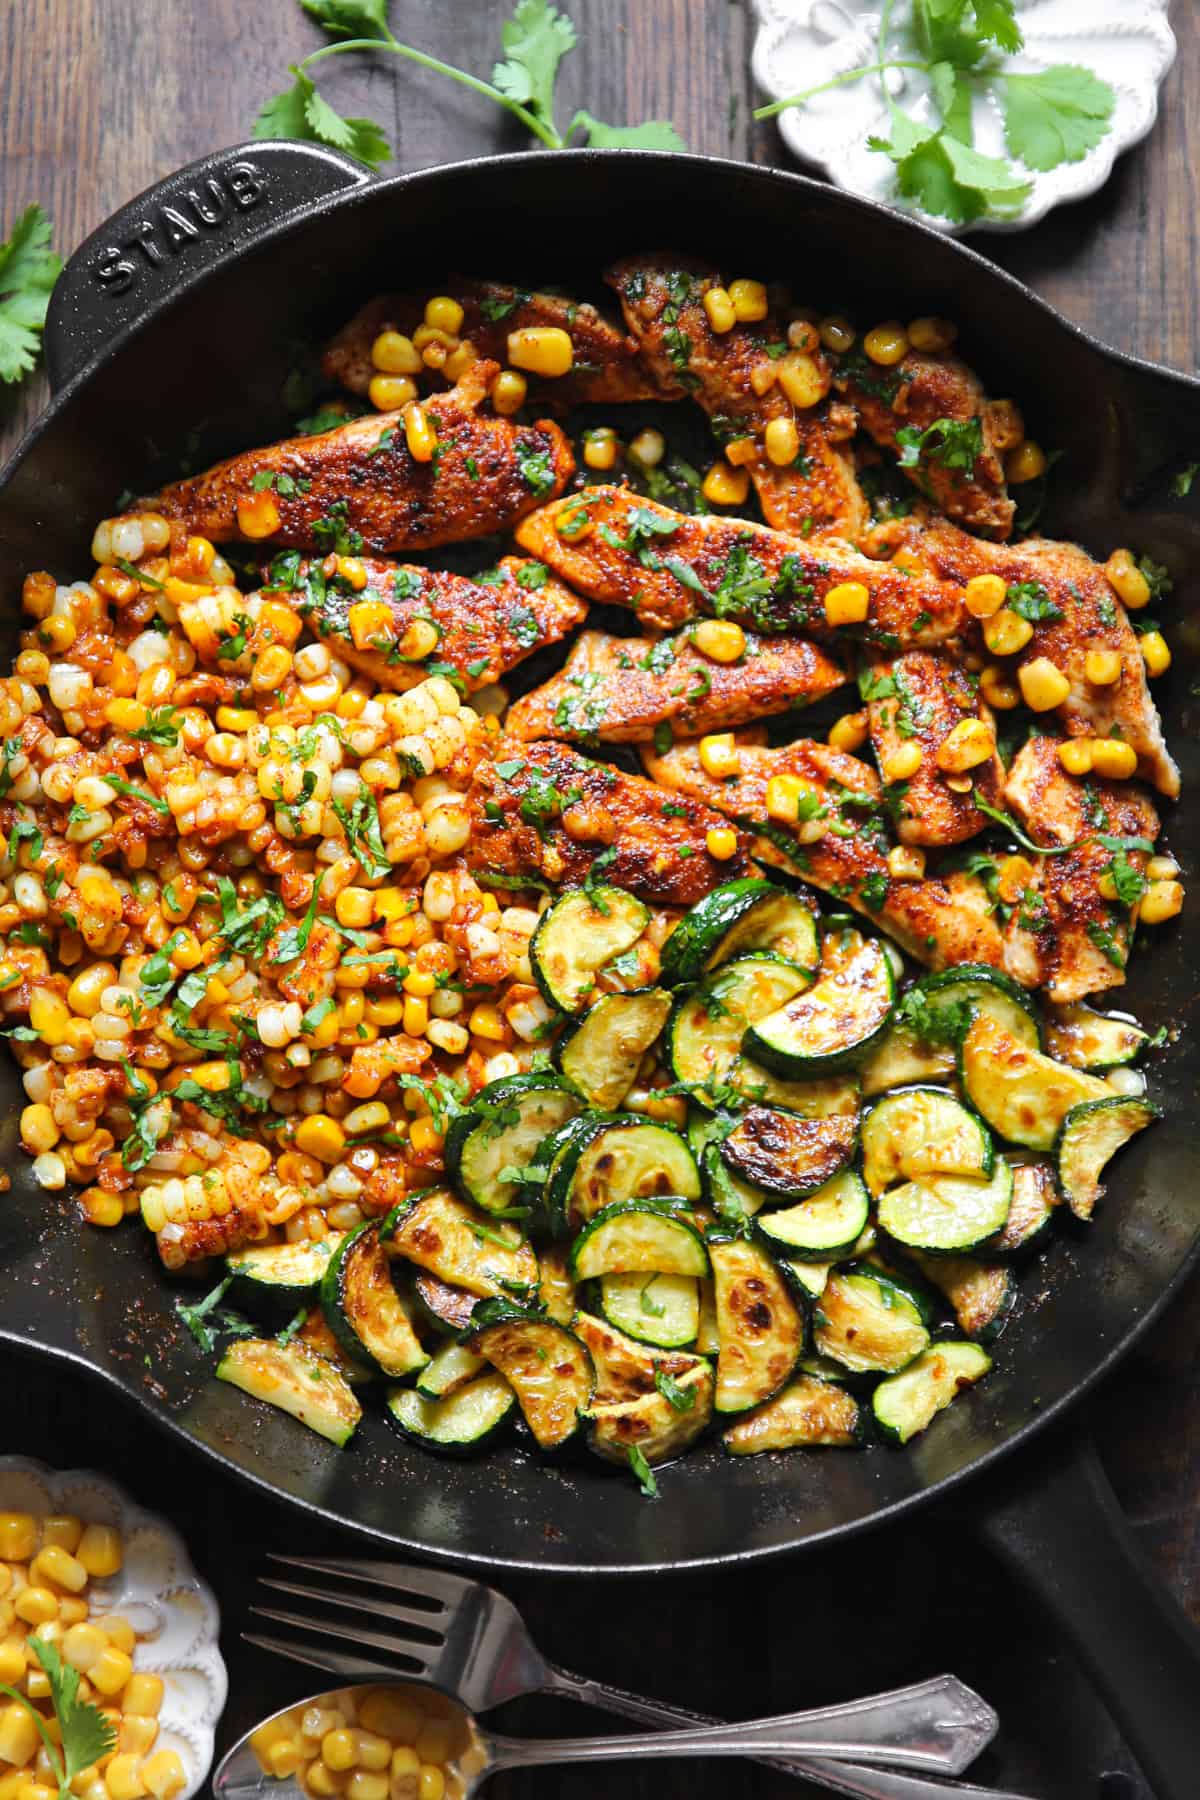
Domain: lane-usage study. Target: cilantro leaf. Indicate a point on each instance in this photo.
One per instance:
(954, 443)
(1057, 115)
(302, 113)
(350, 18)
(28, 272)
(996, 23)
(947, 177)
(534, 40)
(87, 1735)
(643, 1473)
(681, 1399)
(655, 134)
(1030, 601)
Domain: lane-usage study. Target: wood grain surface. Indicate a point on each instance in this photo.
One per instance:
(102, 97)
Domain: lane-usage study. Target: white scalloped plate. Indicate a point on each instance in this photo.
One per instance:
(157, 1590)
(1128, 43)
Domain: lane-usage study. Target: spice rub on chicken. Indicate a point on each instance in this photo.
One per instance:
(935, 743)
(768, 399)
(670, 567)
(543, 811)
(392, 620)
(434, 474)
(621, 690)
(604, 367)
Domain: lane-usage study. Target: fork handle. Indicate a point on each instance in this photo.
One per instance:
(921, 1718)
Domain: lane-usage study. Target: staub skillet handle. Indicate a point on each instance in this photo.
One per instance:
(1057, 1523)
(171, 234)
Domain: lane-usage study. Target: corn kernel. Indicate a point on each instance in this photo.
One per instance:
(319, 1780)
(320, 1136)
(836, 333)
(1043, 685)
(573, 522)
(339, 1750)
(1127, 580)
(18, 1736)
(600, 448)
(849, 733)
(55, 1564)
(444, 313)
(985, 595)
(887, 344)
(424, 1135)
(366, 1784)
(36, 1606)
(283, 1759)
(1161, 868)
(485, 1022)
(163, 1773)
(965, 746)
(1014, 875)
(903, 762)
(394, 354)
(648, 447)
(763, 377)
(508, 392)
(374, 1749)
(724, 485)
(781, 441)
(1006, 632)
(1075, 755)
(848, 603)
(721, 842)
(544, 350)
(431, 1782)
(1102, 667)
(1161, 901)
(742, 452)
(257, 515)
(419, 433)
(1156, 653)
(801, 379)
(433, 1742)
(136, 1734)
(82, 1645)
(719, 755)
(1113, 759)
(369, 620)
(143, 1696)
(749, 301)
(119, 1632)
(784, 795)
(388, 393)
(405, 1761)
(12, 1660)
(39, 1132)
(721, 640)
(998, 690)
(931, 335)
(906, 863)
(1026, 463)
(722, 314)
(18, 1536)
(110, 1671)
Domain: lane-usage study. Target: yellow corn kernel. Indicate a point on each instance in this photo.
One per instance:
(1043, 685)
(573, 522)
(965, 746)
(1161, 868)
(906, 863)
(762, 377)
(1162, 900)
(444, 314)
(721, 640)
(432, 1743)
(420, 983)
(319, 1780)
(18, 1736)
(1014, 875)
(781, 441)
(119, 1631)
(57, 632)
(257, 515)
(1026, 463)
(394, 354)
(1075, 755)
(784, 795)
(722, 314)
(801, 379)
(110, 1671)
(83, 1645)
(416, 1016)
(36, 1606)
(485, 1022)
(1156, 653)
(388, 393)
(741, 452)
(984, 595)
(320, 1136)
(339, 1750)
(125, 715)
(1127, 580)
(374, 1749)
(163, 1774)
(143, 1696)
(848, 603)
(368, 620)
(544, 350)
(136, 1734)
(18, 1536)
(1006, 632)
(749, 301)
(367, 1784)
(1102, 667)
(1113, 759)
(887, 344)
(836, 333)
(998, 690)
(48, 1015)
(12, 1660)
(424, 1134)
(903, 762)
(719, 755)
(849, 733)
(431, 1782)
(283, 1758)
(55, 1564)
(600, 448)
(721, 842)
(39, 1132)
(405, 1761)
(931, 335)
(419, 433)
(508, 392)
(724, 485)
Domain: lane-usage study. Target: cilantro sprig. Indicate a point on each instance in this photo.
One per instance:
(1051, 116)
(28, 272)
(87, 1736)
(534, 41)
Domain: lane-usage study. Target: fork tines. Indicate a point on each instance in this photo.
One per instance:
(410, 1648)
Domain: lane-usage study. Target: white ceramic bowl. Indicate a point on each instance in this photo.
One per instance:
(800, 43)
(157, 1590)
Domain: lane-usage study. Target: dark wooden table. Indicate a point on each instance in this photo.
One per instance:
(103, 97)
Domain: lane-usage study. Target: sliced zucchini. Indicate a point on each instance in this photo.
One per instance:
(448, 1369)
(317, 1337)
(867, 1320)
(488, 1146)
(631, 1237)
(657, 1309)
(788, 1156)
(905, 1403)
(447, 1308)
(1093, 1040)
(1031, 1214)
(947, 1215)
(759, 1326)
(600, 1055)
(922, 1131)
(738, 917)
(577, 936)
(363, 1308)
(981, 1294)
(822, 1228)
(659, 1427)
(836, 1021)
(808, 1414)
(900, 1057)
(280, 1277)
(708, 1023)
(466, 1248)
(624, 1367)
(297, 1381)
(807, 1279)
(733, 1200)
(1022, 1094)
(1092, 1134)
(708, 1338)
(465, 1420)
(818, 1099)
(624, 1158)
(556, 1290)
(549, 1369)
(952, 996)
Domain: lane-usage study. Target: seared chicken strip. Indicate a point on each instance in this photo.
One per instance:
(1064, 935)
(960, 470)
(670, 567)
(544, 812)
(406, 617)
(921, 699)
(607, 369)
(359, 487)
(620, 690)
(1071, 605)
(841, 847)
(662, 297)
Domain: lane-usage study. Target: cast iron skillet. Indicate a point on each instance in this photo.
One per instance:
(170, 340)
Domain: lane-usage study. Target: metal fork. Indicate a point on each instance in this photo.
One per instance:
(470, 1640)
